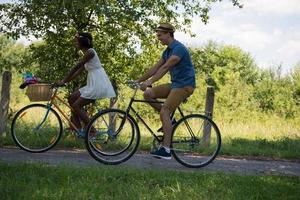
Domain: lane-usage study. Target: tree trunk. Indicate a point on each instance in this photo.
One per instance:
(209, 106)
(4, 102)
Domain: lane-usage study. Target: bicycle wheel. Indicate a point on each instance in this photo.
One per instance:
(36, 128)
(116, 139)
(196, 141)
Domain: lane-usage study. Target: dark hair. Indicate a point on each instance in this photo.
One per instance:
(85, 39)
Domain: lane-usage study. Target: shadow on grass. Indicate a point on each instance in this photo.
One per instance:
(281, 148)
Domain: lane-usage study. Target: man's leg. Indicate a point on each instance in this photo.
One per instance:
(161, 91)
(173, 100)
(166, 125)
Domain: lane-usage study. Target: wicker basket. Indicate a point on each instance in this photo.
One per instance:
(39, 92)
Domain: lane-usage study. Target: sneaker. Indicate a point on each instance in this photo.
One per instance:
(81, 134)
(161, 153)
(173, 123)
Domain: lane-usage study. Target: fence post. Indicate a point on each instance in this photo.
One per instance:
(113, 104)
(4, 102)
(209, 106)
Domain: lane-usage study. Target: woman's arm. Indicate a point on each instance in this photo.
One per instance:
(76, 73)
(78, 67)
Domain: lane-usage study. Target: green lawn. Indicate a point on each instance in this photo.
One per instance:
(37, 181)
(281, 148)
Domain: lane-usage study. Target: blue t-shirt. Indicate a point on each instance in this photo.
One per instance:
(183, 73)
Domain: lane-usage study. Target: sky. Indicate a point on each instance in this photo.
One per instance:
(267, 29)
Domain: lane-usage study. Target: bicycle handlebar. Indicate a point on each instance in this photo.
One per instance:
(56, 86)
(134, 85)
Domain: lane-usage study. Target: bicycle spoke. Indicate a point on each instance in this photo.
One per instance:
(118, 138)
(190, 146)
(34, 132)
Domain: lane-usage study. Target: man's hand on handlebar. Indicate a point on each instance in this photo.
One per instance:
(145, 84)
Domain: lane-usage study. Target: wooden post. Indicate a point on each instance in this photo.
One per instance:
(113, 104)
(209, 106)
(4, 102)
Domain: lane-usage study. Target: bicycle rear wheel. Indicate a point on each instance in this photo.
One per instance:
(196, 141)
(36, 128)
(116, 139)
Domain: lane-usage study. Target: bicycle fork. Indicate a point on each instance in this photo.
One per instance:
(44, 119)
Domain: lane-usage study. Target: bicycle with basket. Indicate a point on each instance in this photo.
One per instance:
(38, 127)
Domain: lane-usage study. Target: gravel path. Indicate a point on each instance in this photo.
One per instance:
(82, 158)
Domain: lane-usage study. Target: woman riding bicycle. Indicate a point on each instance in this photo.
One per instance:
(98, 84)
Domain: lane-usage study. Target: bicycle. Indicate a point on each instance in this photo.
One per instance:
(37, 127)
(196, 139)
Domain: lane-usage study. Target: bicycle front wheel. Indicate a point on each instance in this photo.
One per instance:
(36, 128)
(196, 141)
(113, 136)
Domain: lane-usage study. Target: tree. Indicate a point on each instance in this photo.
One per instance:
(296, 83)
(217, 62)
(121, 28)
(11, 54)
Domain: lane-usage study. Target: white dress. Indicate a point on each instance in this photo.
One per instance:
(98, 84)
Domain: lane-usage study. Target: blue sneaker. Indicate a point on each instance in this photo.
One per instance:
(173, 123)
(81, 134)
(161, 153)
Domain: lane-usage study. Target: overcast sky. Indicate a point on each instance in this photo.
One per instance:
(268, 29)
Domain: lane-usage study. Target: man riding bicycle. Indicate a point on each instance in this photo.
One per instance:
(175, 59)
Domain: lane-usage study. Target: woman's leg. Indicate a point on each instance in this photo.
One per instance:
(80, 112)
(74, 117)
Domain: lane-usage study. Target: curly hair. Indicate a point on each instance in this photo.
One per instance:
(85, 39)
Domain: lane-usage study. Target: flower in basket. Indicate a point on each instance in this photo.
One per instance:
(28, 79)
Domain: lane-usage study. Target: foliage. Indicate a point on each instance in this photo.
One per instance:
(296, 83)
(120, 29)
(241, 84)
(275, 93)
(216, 62)
(11, 54)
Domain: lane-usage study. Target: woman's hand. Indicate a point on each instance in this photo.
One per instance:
(60, 83)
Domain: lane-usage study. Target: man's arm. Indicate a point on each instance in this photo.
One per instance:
(152, 70)
(173, 60)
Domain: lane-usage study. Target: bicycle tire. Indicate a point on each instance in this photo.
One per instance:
(115, 143)
(34, 141)
(198, 151)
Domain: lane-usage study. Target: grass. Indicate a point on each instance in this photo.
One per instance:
(286, 148)
(248, 133)
(242, 143)
(38, 181)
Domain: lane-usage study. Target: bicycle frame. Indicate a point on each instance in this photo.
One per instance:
(130, 108)
(51, 103)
